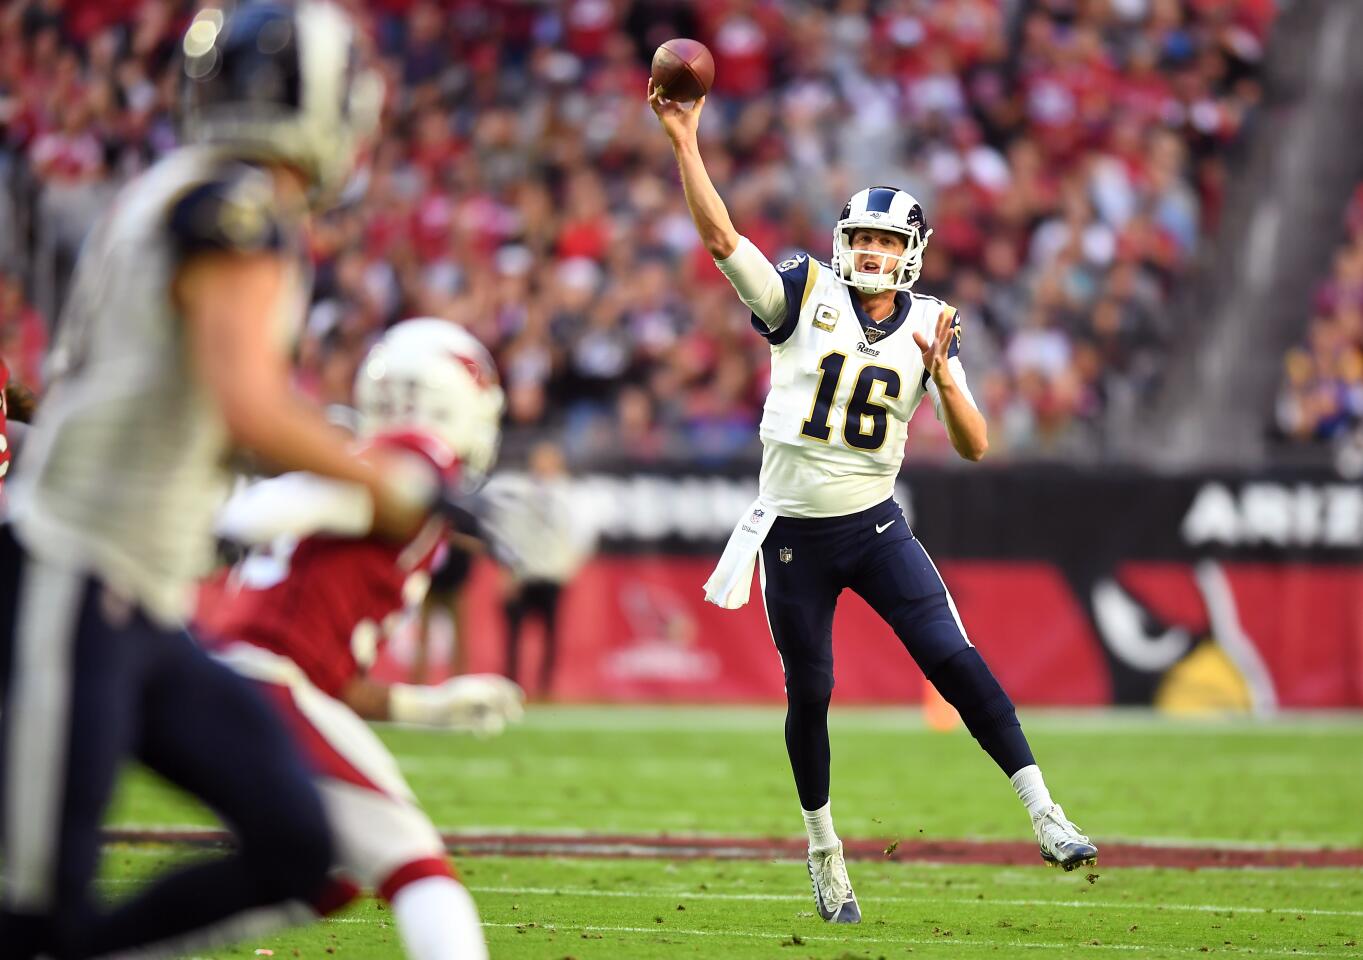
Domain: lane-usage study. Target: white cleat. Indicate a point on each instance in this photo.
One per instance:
(1062, 845)
(833, 896)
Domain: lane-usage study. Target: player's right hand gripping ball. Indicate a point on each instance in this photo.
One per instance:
(684, 69)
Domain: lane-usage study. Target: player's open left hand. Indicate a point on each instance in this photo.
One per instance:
(678, 119)
(935, 353)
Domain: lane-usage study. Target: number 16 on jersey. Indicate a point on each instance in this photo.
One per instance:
(864, 420)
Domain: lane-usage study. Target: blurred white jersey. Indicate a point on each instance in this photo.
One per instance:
(128, 457)
(842, 391)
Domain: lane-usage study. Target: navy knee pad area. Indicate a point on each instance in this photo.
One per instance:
(967, 683)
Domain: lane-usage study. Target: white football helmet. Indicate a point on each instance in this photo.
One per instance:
(434, 375)
(277, 81)
(881, 208)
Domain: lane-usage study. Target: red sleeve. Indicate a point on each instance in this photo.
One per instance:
(4, 412)
(420, 442)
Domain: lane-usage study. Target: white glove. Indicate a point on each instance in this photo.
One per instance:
(481, 704)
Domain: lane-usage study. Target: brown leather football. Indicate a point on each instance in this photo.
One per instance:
(684, 69)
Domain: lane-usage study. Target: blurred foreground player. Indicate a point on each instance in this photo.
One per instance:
(6, 454)
(17, 405)
(306, 620)
(853, 353)
(174, 350)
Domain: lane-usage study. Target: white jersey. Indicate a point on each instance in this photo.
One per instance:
(842, 391)
(128, 457)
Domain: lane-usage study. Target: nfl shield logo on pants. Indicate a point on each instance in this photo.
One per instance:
(786, 554)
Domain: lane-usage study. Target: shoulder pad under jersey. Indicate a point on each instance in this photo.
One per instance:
(233, 213)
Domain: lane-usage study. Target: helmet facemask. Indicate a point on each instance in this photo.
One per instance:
(897, 271)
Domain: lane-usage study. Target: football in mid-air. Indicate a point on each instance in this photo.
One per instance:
(683, 69)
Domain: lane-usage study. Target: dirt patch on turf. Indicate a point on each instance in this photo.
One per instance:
(997, 852)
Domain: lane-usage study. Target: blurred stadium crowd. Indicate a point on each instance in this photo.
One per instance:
(1070, 155)
(1322, 392)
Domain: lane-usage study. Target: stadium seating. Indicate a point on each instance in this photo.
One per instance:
(1321, 397)
(1070, 160)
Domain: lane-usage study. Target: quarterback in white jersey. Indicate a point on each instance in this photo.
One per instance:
(173, 352)
(843, 386)
(853, 353)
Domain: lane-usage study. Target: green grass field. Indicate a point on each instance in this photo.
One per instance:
(721, 772)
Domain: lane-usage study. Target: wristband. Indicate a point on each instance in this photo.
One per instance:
(409, 703)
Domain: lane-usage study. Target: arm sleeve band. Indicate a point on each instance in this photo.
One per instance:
(758, 284)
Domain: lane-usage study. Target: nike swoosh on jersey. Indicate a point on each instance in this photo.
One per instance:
(882, 529)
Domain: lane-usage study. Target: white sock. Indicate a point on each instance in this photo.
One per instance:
(819, 826)
(1032, 790)
(438, 921)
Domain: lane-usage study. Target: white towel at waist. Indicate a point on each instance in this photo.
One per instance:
(730, 584)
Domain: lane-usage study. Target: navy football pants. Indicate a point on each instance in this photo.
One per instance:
(86, 682)
(806, 564)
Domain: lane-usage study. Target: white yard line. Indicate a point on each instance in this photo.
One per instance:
(624, 719)
(1037, 902)
(853, 939)
(924, 901)
(915, 884)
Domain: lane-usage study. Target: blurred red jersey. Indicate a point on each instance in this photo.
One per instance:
(329, 602)
(4, 420)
